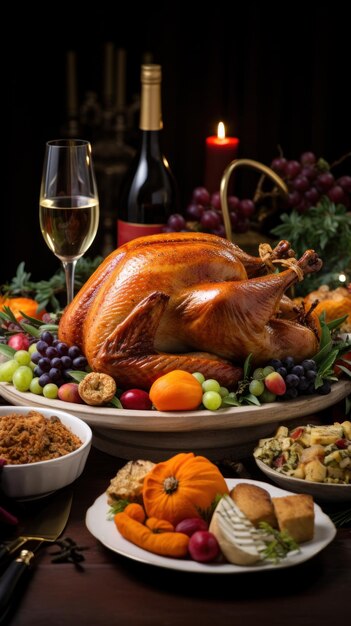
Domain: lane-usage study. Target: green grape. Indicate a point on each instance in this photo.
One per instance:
(268, 370)
(267, 396)
(258, 374)
(223, 391)
(211, 400)
(7, 370)
(50, 391)
(34, 386)
(256, 387)
(22, 378)
(200, 377)
(32, 365)
(22, 357)
(32, 348)
(211, 385)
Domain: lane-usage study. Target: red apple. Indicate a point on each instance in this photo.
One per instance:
(19, 341)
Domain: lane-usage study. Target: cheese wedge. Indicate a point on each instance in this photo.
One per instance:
(238, 539)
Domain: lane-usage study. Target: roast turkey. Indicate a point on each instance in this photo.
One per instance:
(189, 301)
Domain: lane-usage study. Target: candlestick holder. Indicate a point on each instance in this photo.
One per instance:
(256, 165)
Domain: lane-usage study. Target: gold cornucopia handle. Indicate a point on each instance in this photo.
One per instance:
(225, 181)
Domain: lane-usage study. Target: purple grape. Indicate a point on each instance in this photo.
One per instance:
(38, 371)
(194, 211)
(312, 196)
(301, 183)
(282, 371)
(308, 158)
(47, 337)
(233, 203)
(210, 219)
(176, 222)
(324, 389)
(44, 364)
(73, 352)
(55, 374)
(41, 347)
(298, 370)
(303, 384)
(242, 225)
(337, 195)
(292, 169)
(201, 196)
(66, 362)
(325, 181)
(246, 208)
(289, 362)
(345, 183)
(292, 380)
(309, 364)
(51, 352)
(294, 198)
(36, 356)
(79, 363)
(44, 379)
(309, 171)
(279, 165)
(220, 231)
(62, 348)
(56, 362)
(216, 200)
(311, 374)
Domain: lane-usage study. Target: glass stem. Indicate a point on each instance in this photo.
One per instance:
(69, 267)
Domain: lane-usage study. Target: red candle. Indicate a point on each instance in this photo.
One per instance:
(220, 151)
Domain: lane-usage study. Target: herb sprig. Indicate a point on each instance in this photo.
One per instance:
(325, 228)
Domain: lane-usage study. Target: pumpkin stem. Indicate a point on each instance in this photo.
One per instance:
(170, 484)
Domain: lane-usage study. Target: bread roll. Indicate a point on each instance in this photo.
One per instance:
(255, 502)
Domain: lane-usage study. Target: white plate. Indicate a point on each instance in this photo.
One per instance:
(326, 492)
(106, 532)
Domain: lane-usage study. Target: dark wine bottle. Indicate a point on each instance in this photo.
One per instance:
(149, 192)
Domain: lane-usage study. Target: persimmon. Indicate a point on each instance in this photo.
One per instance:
(176, 391)
(29, 306)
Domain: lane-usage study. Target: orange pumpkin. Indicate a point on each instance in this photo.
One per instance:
(334, 302)
(176, 391)
(26, 305)
(183, 486)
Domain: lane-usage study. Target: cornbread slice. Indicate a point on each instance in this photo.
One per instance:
(128, 482)
(255, 502)
(295, 515)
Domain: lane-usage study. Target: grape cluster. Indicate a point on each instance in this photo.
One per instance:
(299, 377)
(53, 358)
(308, 179)
(205, 210)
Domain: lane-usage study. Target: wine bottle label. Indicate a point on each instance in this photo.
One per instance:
(129, 230)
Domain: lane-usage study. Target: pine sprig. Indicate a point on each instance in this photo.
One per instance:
(47, 292)
(325, 228)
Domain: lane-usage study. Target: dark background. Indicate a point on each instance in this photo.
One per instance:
(274, 78)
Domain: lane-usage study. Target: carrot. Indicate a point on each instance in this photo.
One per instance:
(135, 511)
(165, 544)
(159, 525)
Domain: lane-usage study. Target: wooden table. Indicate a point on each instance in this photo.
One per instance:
(111, 589)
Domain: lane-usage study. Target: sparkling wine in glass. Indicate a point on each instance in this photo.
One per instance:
(69, 203)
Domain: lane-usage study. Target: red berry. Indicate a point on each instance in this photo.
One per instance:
(203, 546)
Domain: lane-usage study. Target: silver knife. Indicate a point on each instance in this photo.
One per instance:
(48, 526)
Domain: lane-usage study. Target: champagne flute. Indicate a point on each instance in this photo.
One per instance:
(69, 203)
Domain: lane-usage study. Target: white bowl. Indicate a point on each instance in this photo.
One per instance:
(37, 479)
(326, 492)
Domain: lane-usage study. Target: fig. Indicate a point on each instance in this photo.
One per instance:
(190, 525)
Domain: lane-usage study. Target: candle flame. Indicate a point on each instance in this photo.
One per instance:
(221, 131)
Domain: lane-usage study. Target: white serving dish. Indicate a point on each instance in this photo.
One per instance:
(32, 480)
(324, 492)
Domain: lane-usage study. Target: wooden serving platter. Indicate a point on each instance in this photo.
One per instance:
(231, 432)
